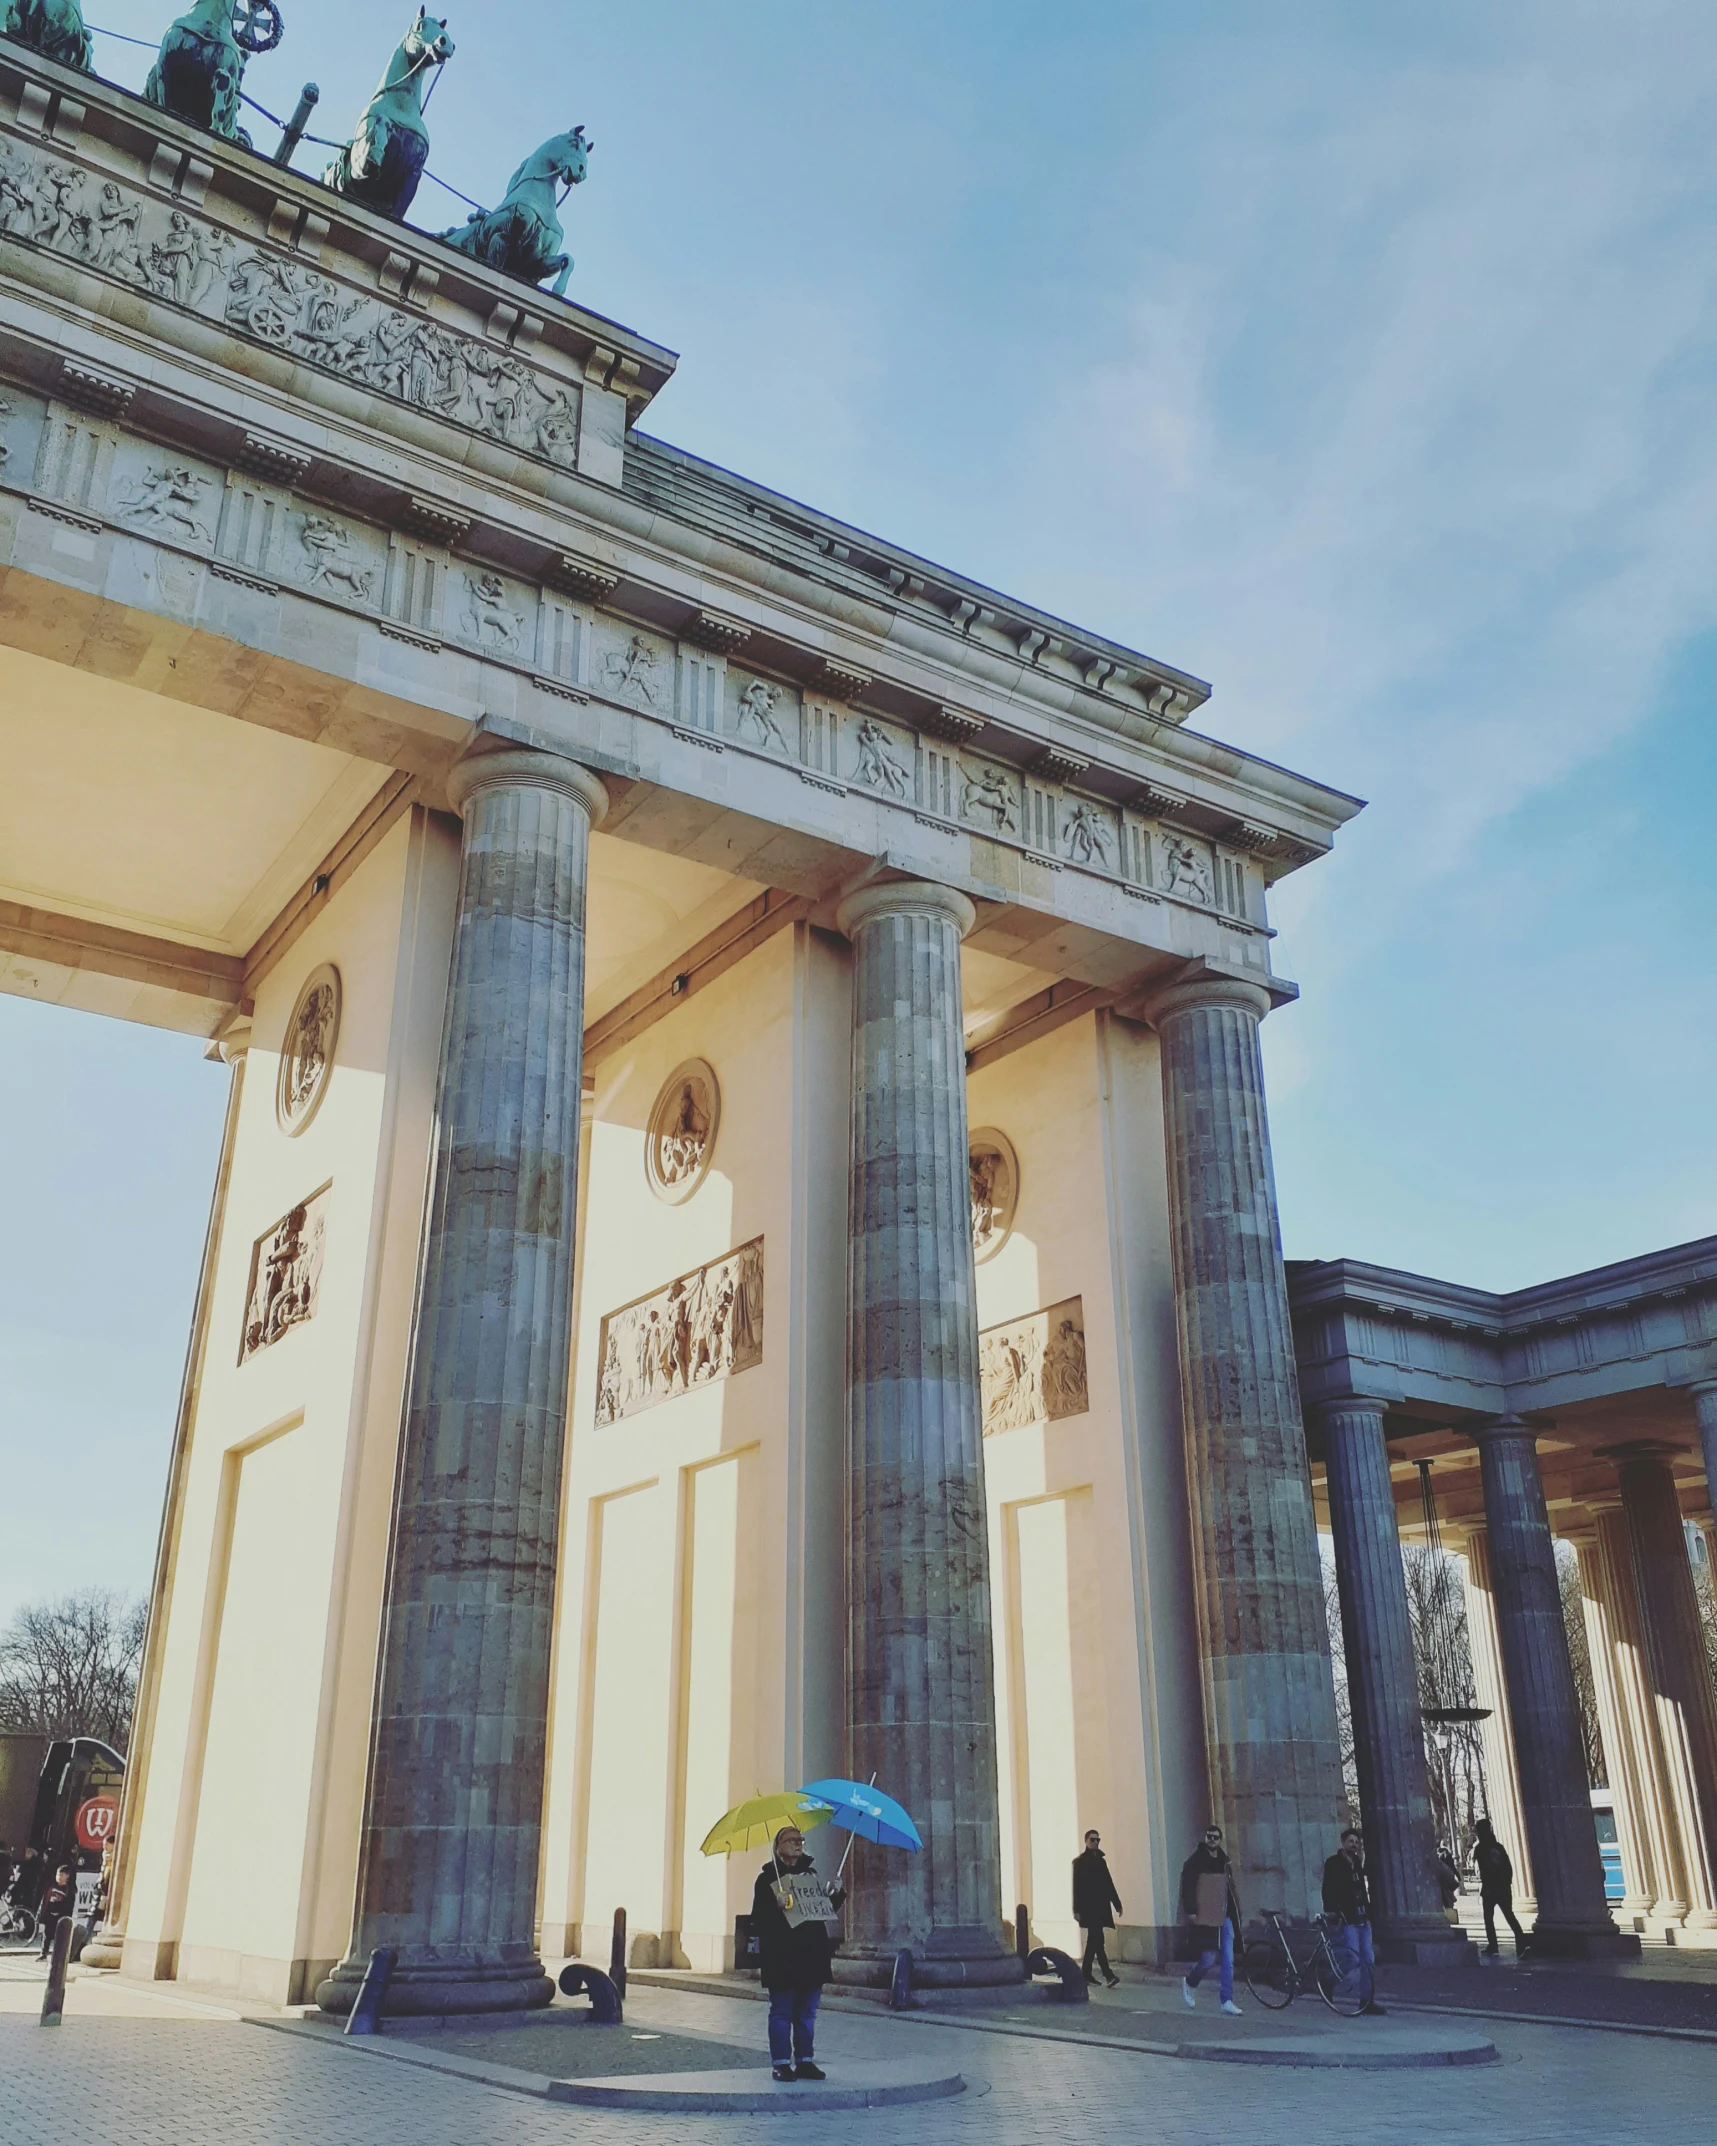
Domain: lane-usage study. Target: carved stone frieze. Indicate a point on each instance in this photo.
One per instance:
(275, 299)
(755, 721)
(1186, 870)
(878, 764)
(704, 1326)
(169, 500)
(330, 561)
(285, 1275)
(634, 669)
(1086, 832)
(679, 1143)
(989, 799)
(488, 617)
(1032, 1370)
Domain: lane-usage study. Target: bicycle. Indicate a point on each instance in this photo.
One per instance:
(16, 1923)
(1275, 1973)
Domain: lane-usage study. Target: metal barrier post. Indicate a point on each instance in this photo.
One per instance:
(1022, 1932)
(365, 2017)
(54, 1996)
(617, 1953)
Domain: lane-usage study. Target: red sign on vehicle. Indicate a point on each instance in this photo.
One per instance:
(96, 1820)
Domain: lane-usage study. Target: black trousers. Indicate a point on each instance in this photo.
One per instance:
(1096, 1951)
(1505, 1901)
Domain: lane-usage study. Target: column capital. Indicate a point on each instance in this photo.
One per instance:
(1198, 989)
(1699, 1386)
(1504, 1426)
(906, 897)
(528, 769)
(1331, 1403)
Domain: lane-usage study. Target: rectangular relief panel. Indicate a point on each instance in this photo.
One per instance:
(285, 1275)
(1032, 1370)
(698, 1328)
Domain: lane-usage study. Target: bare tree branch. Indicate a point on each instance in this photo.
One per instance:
(69, 1668)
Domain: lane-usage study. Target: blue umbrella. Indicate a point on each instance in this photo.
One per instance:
(863, 1809)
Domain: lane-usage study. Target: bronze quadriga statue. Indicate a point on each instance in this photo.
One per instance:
(382, 163)
(523, 236)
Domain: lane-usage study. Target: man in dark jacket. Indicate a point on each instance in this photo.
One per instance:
(1496, 1888)
(1347, 1897)
(56, 1905)
(1207, 1870)
(791, 1910)
(1094, 1895)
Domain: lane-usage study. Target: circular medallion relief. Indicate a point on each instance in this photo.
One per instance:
(995, 1190)
(681, 1136)
(307, 1054)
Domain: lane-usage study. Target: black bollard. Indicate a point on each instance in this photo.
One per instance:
(295, 126)
(365, 2017)
(617, 1954)
(900, 1988)
(54, 1996)
(1022, 1932)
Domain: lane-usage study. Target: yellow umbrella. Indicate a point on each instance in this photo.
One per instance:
(755, 1823)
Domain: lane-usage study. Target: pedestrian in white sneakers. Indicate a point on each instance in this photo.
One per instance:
(1209, 1902)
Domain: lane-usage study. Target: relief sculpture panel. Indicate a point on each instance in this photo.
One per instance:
(701, 1327)
(285, 1275)
(285, 304)
(1032, 1370)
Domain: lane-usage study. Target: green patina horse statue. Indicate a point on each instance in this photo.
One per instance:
(522, 237)
(199, 72)
(382, 163)
(54, 28)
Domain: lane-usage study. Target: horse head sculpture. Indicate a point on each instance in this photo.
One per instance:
(382, 163)
(523, 236)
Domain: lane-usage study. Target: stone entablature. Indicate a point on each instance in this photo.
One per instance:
(1404, 1338)
(408, 466)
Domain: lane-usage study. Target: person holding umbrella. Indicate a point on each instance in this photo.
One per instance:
(791, 1911)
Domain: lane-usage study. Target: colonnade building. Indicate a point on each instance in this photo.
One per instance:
(744, 1244)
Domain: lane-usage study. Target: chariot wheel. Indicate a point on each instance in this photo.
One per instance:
(257, 26)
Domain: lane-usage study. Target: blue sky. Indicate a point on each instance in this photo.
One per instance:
(1360, 360)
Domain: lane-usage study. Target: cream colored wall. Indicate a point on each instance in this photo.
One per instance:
(699, 1645)
(250, 1802)
(1097, 1696)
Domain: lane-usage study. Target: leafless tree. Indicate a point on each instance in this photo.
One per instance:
(69, 1668)
(1580, 1655)
(1443, 1663)
(1338, 1661)
(1705, 1587)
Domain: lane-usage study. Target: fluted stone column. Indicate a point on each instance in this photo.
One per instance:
(1383, 1688)
(1645, 1827)
(1705, 1413)
(1682, 1697)
(1501, 1768)
(1543, 1709)
(920, 1658)
(454, 1798)
(1263, 1642)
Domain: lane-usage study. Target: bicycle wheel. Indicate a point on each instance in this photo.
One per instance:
(1270, 1973)
(1346, 1986)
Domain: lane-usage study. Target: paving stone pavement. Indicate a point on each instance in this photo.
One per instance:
(164, 2076)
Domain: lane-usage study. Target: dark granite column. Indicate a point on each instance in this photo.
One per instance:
(1543, 1711)
(1682, 1697)
(454, 1801)
(921, 1675)
(1263, 1642)
(1383, 1689)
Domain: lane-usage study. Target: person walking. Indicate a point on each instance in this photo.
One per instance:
(1210, 1903)
(1347, 1898)
(791, 1910)
(56, 1905)
(1448, 1879)
(1094, 1896)
(1496, 1889)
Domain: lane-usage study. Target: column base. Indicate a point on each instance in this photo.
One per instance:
(106, 1949)
(949, 1960)
(433, 1982)
(1607, 1943)
(1447, 1947)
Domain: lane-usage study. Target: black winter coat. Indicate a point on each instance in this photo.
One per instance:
(1496, 1872)
(1094, 1891)
(792, 1959)
(1201, 1863)
(1345, 1891)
